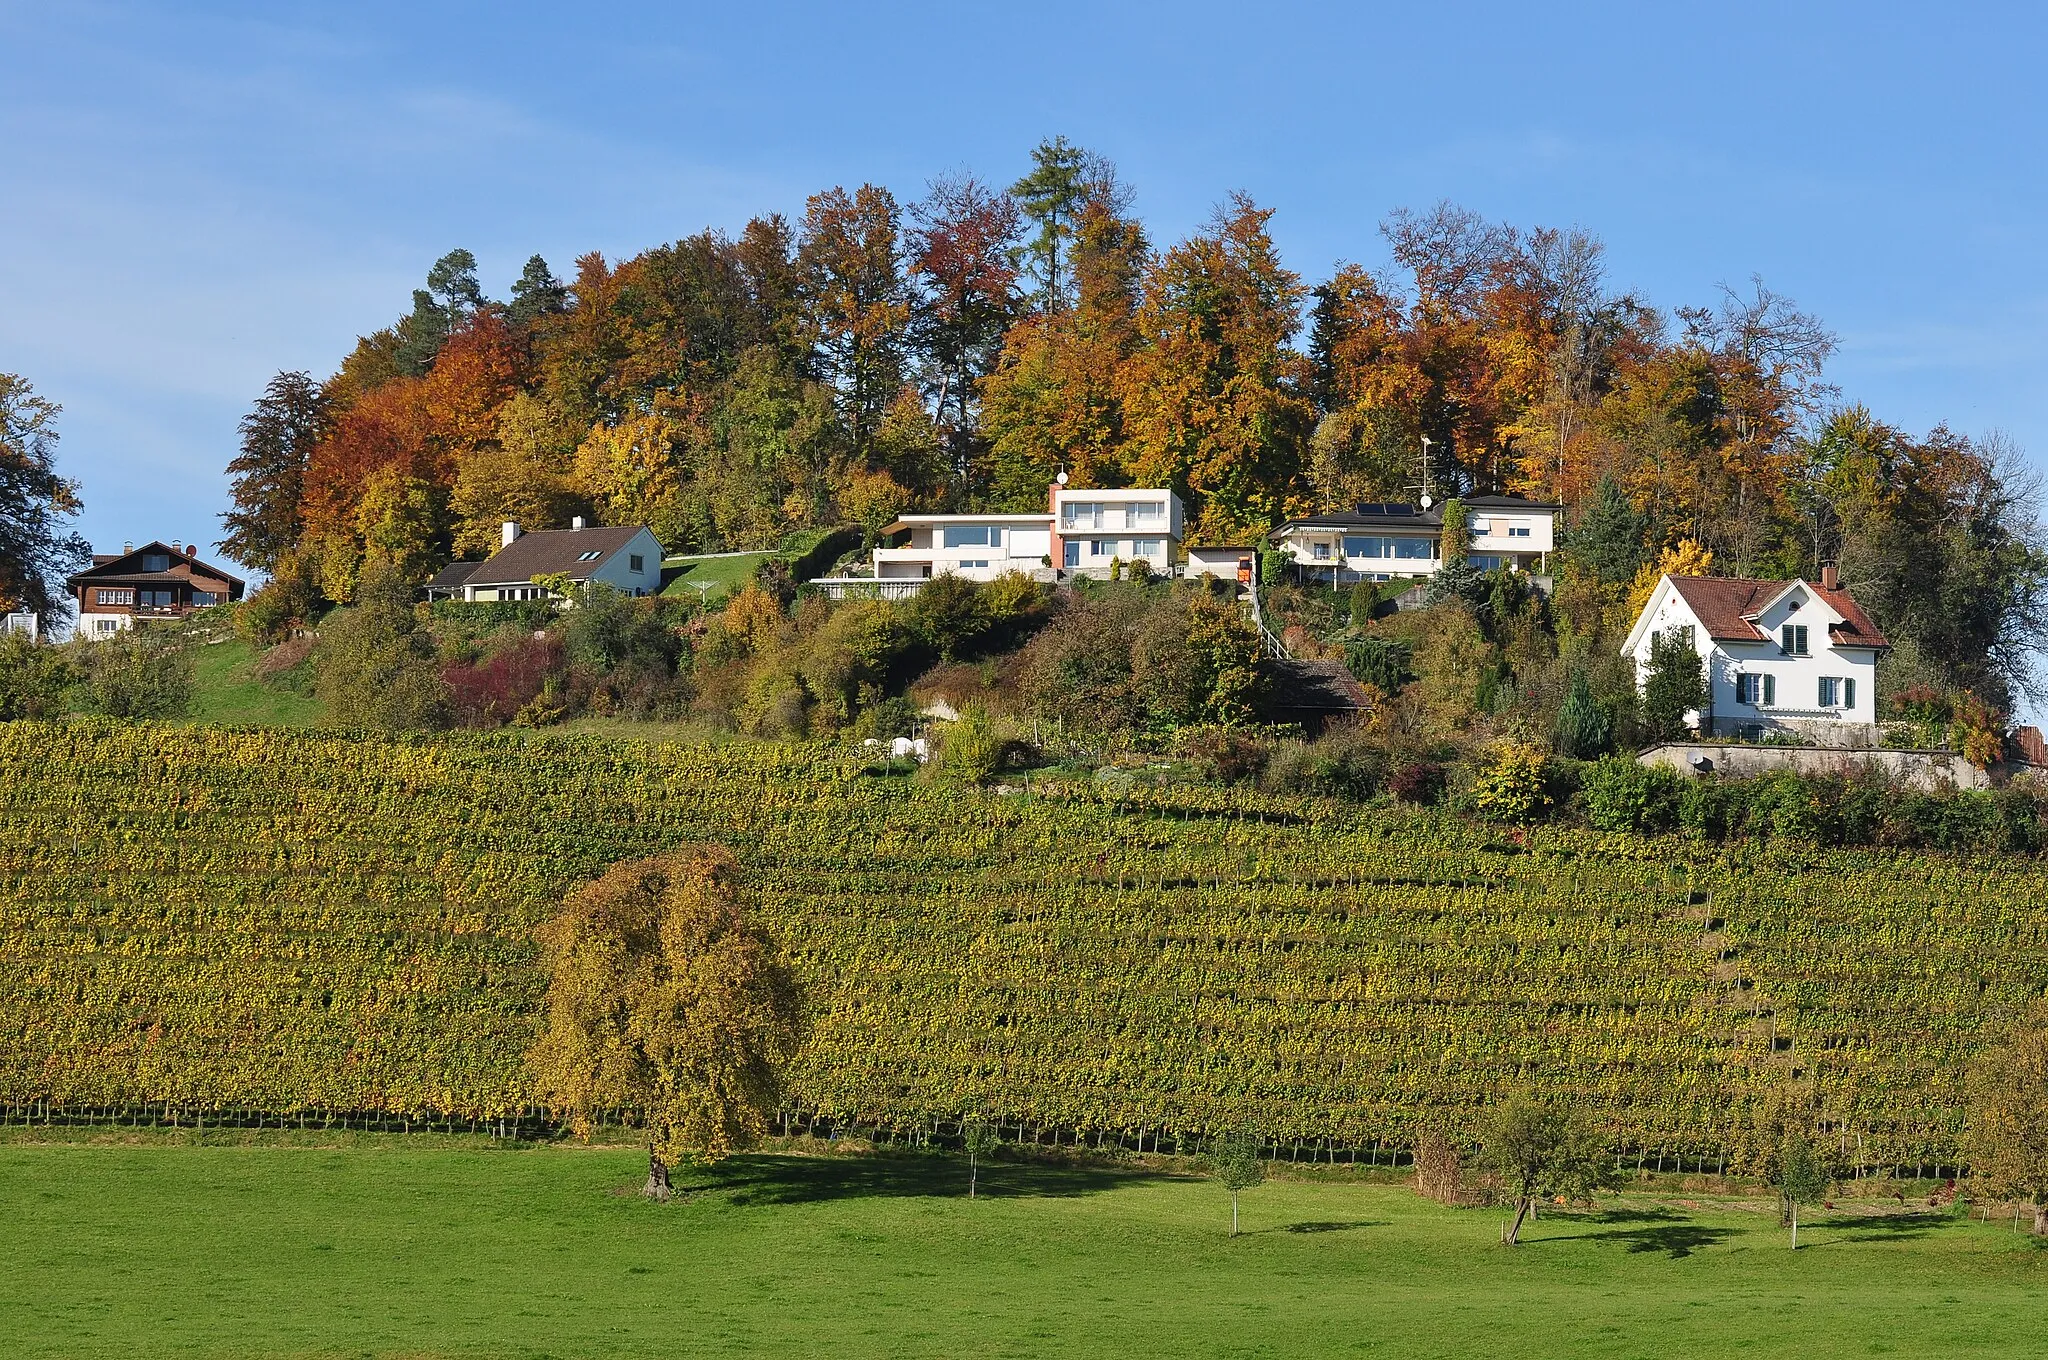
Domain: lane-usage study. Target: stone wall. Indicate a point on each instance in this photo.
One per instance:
(1927, 770)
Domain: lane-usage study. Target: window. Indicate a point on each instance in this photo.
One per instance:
(1486, 561)
(1837, 691)
(973, 536)
(1081, 515)
(114, 596)
(1760, 691)
(1322, 552)
(1519, 531)
(592, 555)
(1148, 547)
(107, 625)
(1100, 547)
(156, 562)
(1411, 548)
(153, 599)
(636, 564)
(974, 561)
(1148, 514)
(1792, 639)
(203, 598)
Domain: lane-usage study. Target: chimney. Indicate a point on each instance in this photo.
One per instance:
(127, 546)
(576, 523)
(507, 532)
(1828, 579)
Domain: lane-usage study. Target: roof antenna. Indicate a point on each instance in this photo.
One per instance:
(1427, 499)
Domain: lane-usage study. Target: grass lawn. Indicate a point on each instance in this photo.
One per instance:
(724, 574)
(448, 1247)
(225, 690)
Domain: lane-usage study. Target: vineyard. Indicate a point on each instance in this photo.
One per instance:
(198, 921)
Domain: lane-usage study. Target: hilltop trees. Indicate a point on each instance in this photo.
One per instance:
(278, 438)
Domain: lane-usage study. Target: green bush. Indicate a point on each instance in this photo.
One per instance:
(1621, 795)
(143, 672)
(34, 679)
(1512, 784)
(531, 615)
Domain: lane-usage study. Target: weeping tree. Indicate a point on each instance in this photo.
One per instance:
(666, 1006)
(1544, 1148)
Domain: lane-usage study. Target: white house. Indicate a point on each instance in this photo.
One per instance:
(1789, 657)
(1387, 541)
(1080, 532)
(626, 557)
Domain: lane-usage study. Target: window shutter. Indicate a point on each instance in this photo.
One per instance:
(1849, 692)
(1770, 690)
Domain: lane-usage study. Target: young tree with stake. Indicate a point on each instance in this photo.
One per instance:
(1802, 1179)
(978, 1136)
(1235, 1165)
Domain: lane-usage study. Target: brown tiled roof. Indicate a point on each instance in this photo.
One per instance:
(546, 552)
(106, 567)
(1721, 603)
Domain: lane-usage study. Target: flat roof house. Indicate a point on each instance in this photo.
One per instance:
(626, 557)
(155, 583)
(1385, 541)
(1081, 532)
(1794, 657)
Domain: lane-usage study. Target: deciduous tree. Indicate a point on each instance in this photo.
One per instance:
(1542, 1149)
(37, 548)
(667, 1006)
(2009, 1117)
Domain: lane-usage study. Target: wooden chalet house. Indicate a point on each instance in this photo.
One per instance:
(156, 582)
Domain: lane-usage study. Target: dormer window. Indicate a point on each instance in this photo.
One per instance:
(1792, 639)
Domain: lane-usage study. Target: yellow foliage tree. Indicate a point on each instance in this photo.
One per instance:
(1686, 558)
(665, 1005)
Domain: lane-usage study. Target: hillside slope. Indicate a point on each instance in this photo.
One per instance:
(285, 921)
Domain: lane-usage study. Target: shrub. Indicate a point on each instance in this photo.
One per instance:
(499, 688)
(1381, 663)
(1511, 784)
(375, 664)
(33, 679)
(1225, 756)
(139, 673)
(1420, 782)
(971, 750)
(1621, 795)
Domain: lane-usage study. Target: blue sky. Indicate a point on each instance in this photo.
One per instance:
(203, 194)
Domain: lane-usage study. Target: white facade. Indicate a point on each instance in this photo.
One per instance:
(1392, 541)
(1778, 656)
(632, 567)
(1226, 564)
(978, 547)
(1082, 532)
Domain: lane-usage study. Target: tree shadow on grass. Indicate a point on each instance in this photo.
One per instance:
(1675, 1240)
(807, 1180)
(1635, 1216)
(1330, 1226)
(1888, 1228)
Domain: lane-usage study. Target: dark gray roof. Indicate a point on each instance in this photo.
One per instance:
(549, 552)
(453, 576)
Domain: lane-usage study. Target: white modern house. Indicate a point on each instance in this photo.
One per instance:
(1079, 533)
(1387, 541)
(626, 557)
(1793, 657)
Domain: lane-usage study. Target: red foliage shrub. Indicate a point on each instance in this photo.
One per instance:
(490, 692)
(1420, 783)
